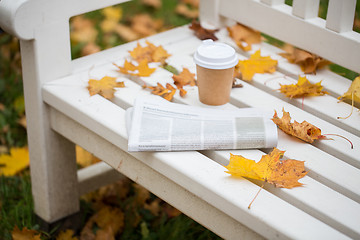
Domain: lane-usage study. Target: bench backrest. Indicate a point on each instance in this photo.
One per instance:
(47, 22)
(299, 24)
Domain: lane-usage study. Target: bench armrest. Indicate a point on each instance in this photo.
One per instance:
(21, 18)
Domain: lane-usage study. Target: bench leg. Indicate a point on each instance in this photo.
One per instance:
(52, 157)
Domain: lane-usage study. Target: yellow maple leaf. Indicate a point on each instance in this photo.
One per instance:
(25, 234)
(281, 173)
(105, 86)
(66, 235)
(16, 161)
(255, 64)
(303, 88)
(353, 93)
(144, 70)
(150, 52)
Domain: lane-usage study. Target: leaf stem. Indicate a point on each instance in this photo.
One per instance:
(262, 186)
(352, 107)
(333, 134)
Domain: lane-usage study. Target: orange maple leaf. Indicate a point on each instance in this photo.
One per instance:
(150, 52)
(167, 93)
(25, 234)
(304, 131)
(255, 64)
(184, 78)
(281, 173)
(141, 70)
(307, 61)
(104, 87)
(244, 36)
(303, 88)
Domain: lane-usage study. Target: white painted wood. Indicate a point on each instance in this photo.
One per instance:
(96, 176)
(186, 169)
(273, 2)
(311, 34)
(179, 197)
(209, 14)
(340, 15)
(53, 167)
(23, 17)
(305, 9)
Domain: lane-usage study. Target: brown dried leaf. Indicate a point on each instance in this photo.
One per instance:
(104, 87)
(153, 3)
(201, 32)
(304, 131)
(145, 25)
(307, 61)
(184, 78)
(244, 36)
(184, 10)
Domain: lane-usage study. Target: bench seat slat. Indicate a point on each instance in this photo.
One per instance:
(187, 169)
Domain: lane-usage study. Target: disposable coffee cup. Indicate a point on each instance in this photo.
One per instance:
(215, 64)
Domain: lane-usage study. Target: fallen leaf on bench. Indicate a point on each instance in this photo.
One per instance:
(352, 95)
(104, 87)
(141, 70)
(16, 161)
(167, 93)
(281, 173)
(246, 69)
(184, 78)
(307, 61)
(202, 33)
(25, 234)
(150, 52)
(244, 36)
(304, 131)
(303, 88)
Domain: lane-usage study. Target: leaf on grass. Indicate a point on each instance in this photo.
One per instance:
(84, 158)
(255, 64)
(202, 33)
(353, 93)
(281, 173)
(184, 10)
(244, 36)
(307, 61)
(104, 87)
(304, 131)
(16, 161)
(184, 78)
(145, 25)
(152, 3)
(303, 88)
(66, 235)
(25, 234)
(82, 30)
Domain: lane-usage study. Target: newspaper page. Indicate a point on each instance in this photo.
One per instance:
(157, 125)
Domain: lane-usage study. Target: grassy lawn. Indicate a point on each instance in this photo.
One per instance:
(146, 216)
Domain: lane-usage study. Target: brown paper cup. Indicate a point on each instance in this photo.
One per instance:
(214, 85)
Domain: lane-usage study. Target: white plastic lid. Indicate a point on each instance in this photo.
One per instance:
(215, 55)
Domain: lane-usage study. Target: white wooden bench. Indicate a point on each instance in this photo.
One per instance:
(60, 113)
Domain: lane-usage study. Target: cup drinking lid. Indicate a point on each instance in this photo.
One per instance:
(215, 55)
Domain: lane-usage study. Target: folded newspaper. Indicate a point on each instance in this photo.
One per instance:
(154, 124)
